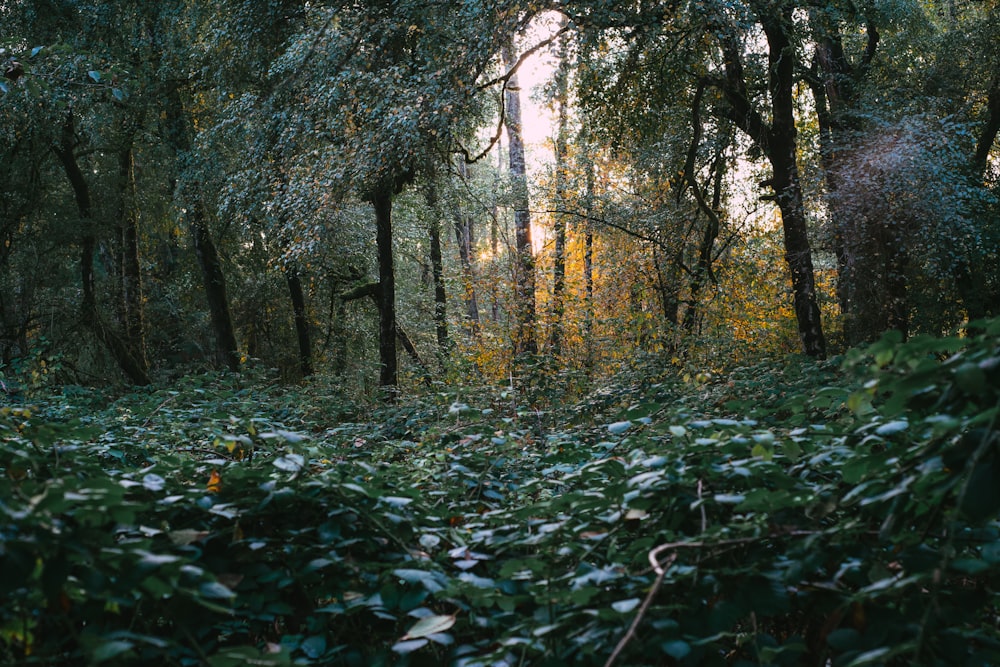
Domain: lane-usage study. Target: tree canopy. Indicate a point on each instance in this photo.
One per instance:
(311, 352)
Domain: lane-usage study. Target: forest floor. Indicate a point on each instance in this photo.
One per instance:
(790, 512)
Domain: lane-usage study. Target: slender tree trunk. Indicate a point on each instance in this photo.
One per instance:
(136, 372)
(180, 136)
(561, 169)
(991, 128)
(437, 273)
(132, 299)
(214, 281)
(464, 238)
(297, 296)
(703, 266)
(381, 200)
(524, 261)
(588, 257)
(833, 83)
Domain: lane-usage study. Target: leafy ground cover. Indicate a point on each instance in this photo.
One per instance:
(793, 512)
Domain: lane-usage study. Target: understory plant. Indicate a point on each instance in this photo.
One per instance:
(790, 513)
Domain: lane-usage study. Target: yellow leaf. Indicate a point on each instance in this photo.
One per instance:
(214, 482)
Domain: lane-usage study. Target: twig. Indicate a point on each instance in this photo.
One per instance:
(661, 570)
(149, 417)
(630, 633)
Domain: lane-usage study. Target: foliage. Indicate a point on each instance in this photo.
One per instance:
(793, 512)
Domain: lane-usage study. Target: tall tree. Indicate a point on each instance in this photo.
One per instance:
(180, 136)
(561, 167)
(524, 259)
(437, 268)
(465, 239)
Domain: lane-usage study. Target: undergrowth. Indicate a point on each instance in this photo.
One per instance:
(789, 513)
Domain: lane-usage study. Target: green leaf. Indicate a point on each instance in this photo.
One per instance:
(314, 646)
(94, 75)
(109, 650)
(893, 427)
(678, 649)
(429, 626)
(290, 462)
(625, 606)
(617, 428)
(215, 591)
(409, 646)
(844, 639)
(870, 657)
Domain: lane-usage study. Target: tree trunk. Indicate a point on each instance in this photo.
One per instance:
(782, 156)
(524, 261)
(372, 291)
(778, 143)
(381, 200)
(133, 369)
(464, 238)
(561, 168)
(179, 133)
(297, 295)
(437, 273)
(833, 83)
(131, 274)
(214, 281)
(703, 266)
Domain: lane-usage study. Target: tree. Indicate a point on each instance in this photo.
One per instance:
(524, 262)
(561, 168)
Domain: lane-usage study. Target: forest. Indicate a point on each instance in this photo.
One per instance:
(499, 333)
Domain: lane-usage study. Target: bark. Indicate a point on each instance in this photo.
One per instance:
(777, 141)
(373, 291)
(834, 81)
(131, 274)
(437, 273)
(381, 200)
(561, 168)
(588, 252)
(990, 129)
(702, 271)
(180, 135)
(524, 261)
(297, 296)
(667, 286)
(133, 369)
(464, 238)
(214, 281)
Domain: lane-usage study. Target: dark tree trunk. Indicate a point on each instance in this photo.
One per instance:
(297, 295)
(524, 261)
(782, 156)
(588, 253)
(990, 128)
(703, 266)
(833, 82)
(133, 369)
(381, 200)
(464, 238)
(778, 143)
(561, 167)
(131, 274)
(180, 136)
(667, 286)
(214, 280)
(373, 291)
(437, 273)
